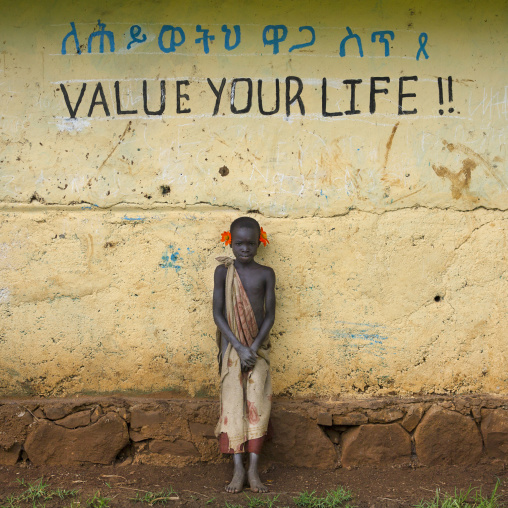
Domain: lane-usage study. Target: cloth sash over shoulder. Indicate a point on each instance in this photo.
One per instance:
(245, 396)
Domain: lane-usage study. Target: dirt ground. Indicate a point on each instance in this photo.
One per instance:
(203, 485)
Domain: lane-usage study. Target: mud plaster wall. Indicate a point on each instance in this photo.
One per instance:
(387, 223)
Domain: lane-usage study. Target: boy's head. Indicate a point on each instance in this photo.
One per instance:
(245, 222)
(245, 233)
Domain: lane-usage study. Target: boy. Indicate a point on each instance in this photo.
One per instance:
(244, 312)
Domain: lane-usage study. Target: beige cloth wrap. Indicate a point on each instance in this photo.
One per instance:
(246, 398)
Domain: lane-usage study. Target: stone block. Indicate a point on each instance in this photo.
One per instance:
(447, 437)
(58, 410)
(141, 417)
(124, 414)
(463, 406)
(11, 456)
(39, 413)
(477, 413)
(369, 445)
(325, 419)
(412, 418)
(495, 433)
(74, 420)
(96, 414)
(350, 419)
(199, 430)
(100, 443)
(385, 415)
(169, 429)
(14, 425)
(298, 441)
(180, 448)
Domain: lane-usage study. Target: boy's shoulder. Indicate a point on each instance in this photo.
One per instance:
(221, 269)
(266, 270)
(265, 267)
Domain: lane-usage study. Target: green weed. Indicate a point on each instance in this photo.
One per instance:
(11, 502)
(470, 498)
(37, 494)
(332, 499)
(261, 502)
(98, 501)
(161, 497)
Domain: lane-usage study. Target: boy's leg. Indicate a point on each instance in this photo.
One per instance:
(253, 475)
(238, 480)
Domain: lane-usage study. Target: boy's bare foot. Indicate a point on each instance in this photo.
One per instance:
(238, 480)
(253, 475)
(255, 482)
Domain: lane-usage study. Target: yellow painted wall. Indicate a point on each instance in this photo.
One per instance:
(388, 230)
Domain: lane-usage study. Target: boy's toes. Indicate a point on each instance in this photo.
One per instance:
(236, 484)
(259, 489)
(255, 483)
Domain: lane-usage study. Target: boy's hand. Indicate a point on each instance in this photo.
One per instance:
(247, 358)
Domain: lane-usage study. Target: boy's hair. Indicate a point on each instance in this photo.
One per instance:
(245, 222)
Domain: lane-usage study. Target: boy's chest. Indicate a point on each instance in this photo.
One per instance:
(254, 285)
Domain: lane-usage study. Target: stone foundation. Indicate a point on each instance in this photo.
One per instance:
(427, 430)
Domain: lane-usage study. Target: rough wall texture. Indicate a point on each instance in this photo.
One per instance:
(100, 303)
(387, 222)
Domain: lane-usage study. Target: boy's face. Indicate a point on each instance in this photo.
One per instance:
(244, 242)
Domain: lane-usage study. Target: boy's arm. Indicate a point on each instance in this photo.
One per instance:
(269, 319)
(246, 355)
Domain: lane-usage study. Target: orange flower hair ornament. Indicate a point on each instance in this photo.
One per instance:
(226, 237)
(263, 238)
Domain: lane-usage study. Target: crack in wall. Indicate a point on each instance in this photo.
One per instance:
(21, 206)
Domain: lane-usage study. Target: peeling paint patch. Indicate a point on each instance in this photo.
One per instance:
(170, 260)
(4, 294)
(362, 334)
(141, 219)
(72, 124)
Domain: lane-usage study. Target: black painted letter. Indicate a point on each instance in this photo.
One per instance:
(163, 99)
(374, 91)
(353, 83)
(296, 97)
(402, 95)
(323, 102)
(95, 102)
(119, 110)
(72, 112)
(181, 96)
(260, 99)
(246, 109)
(218, 94)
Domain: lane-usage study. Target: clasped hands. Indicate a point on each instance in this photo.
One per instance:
(248, 357)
